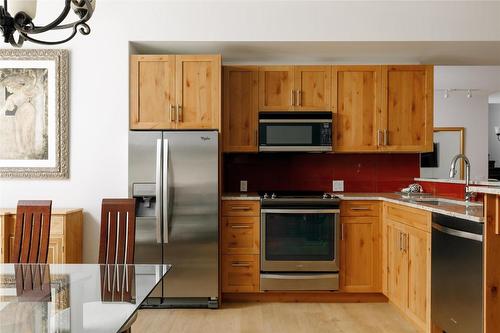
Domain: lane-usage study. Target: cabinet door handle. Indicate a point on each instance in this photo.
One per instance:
(299, 99)
(240, 226)
(400, 241)
(292, 97)
(240, 208)
(405, 243)
(386, 137)
(172, 110)
(342, 232)
(379, 141)
(240, 264)
(179, 113)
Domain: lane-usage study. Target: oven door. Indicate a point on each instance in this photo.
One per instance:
(299, 135)
(299, 240)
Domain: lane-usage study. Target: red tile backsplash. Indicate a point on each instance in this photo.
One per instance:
(315, 172)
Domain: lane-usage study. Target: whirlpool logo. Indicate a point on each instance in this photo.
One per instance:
(205, 138)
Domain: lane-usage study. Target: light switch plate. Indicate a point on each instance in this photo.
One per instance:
(243, 185)
(338, 186)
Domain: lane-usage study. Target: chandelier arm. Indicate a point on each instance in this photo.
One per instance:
(85, 29)
(71, 25)
(24, 29)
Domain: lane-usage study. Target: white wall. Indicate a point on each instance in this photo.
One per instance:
(494, 144)
(99, 71)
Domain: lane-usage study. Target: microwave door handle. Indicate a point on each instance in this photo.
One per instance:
(158, 185)
(165, 190)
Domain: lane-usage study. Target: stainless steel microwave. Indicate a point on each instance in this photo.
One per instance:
(295, 131)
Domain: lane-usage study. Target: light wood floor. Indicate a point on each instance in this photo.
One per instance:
(277, 318)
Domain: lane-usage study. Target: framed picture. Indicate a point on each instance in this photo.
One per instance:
(34, 114)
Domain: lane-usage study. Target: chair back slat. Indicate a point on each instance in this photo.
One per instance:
(117, 241)
(31, 234)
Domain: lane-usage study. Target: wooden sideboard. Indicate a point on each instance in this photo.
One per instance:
(66, 235)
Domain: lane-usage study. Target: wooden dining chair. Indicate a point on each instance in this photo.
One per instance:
(33, 282)
(116, 248)
(31, 234)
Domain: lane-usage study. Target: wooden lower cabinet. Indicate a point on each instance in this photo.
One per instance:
(65, 239)
(360, 247)
(240, 273)
(240, 246)
(407, 266)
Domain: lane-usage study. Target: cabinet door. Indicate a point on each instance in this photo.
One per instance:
(360, 269)
(417, 245)
(312, 86)
(240, 235)
(240, 109)
(276, 88)
(152, 92)
(198, 91)
(357, 102)
(408, 120)
(56, 250)
(397, 266)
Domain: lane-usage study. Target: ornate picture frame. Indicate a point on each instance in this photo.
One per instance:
(34, 113)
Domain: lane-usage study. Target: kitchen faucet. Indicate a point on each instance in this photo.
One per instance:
(453, 171)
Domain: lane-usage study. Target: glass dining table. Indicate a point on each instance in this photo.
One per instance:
(73, 297)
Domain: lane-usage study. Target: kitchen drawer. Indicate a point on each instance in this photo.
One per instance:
(360, 208)
(413, 217)
(240, 273)
(240, 208)
(240, 235)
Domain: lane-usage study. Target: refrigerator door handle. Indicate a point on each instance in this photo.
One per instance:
(165, 199)
(158, 190)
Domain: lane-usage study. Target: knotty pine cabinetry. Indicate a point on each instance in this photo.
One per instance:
(240, 246)
(65, 239)
(240, 110)
(360, 246)
(383, 108)
(175, 91)
(406, 261)
(294, 88)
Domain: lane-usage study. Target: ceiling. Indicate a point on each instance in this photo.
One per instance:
(238, 52)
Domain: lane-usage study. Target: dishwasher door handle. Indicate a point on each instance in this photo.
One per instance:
(458, 233)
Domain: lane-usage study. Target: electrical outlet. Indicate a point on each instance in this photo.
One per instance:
(243, 185)
(338, 186)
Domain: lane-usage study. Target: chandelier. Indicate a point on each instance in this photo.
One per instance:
(16, 20)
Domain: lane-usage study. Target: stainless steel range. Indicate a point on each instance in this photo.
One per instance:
(300, 234)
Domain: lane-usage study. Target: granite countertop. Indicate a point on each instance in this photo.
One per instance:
(473, 212)
(459, 181)
(240, 196)
(485, 189)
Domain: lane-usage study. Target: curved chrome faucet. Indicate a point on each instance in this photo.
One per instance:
(453, 171)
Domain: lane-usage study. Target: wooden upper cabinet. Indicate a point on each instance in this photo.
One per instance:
(240, 108)
(198, 91)
(276, 88)
(357, 103)
(408, 121)
(175, 91)
(312, 88)
(152, 92)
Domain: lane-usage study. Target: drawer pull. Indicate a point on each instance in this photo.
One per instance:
(240, 226)
(239, 264)
(240, 208)
(360, 208)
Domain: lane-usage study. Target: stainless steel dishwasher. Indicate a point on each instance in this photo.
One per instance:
(457, 274)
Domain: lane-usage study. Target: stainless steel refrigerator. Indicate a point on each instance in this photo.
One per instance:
(174, 178)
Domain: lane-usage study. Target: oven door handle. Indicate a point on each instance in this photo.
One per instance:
(301, 211)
